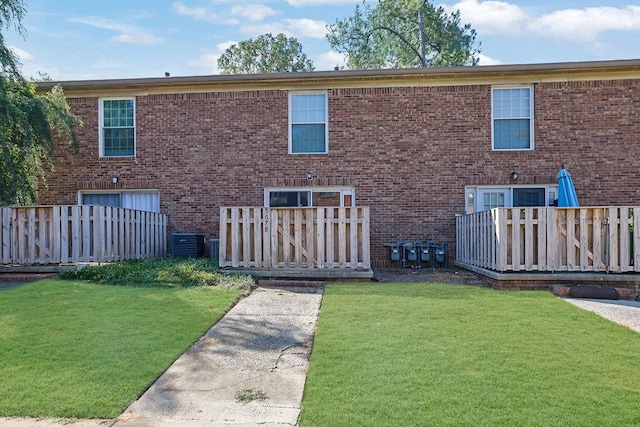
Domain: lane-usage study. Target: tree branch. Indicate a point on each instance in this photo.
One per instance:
(423, 61)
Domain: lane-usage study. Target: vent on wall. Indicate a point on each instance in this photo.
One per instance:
(187, 245)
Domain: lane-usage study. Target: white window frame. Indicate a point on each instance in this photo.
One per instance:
(344, 191)
(101, 126)
(119, 192)
(474, 195)
(530, 118)
(326, 122)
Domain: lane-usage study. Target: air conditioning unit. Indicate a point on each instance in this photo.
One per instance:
(187, 245)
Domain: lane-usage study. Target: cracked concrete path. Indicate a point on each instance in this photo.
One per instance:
(262, 344)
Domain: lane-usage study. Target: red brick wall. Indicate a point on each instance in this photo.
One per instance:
(408, 152)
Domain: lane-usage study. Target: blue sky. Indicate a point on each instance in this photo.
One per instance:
(96, 39)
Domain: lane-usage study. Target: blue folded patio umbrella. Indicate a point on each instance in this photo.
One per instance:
(567, 197)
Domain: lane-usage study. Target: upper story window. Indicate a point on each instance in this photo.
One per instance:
(117, 127)
(308, 130)
(512, 124)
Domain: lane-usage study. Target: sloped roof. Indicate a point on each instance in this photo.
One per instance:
(494, 74)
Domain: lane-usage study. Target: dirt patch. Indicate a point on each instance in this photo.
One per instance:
(427, 275)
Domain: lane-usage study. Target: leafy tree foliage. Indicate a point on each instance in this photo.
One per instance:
(11, 14)
(404, 34)
(265, 54)
(29, 123)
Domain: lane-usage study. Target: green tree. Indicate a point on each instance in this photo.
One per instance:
(265, 54)
(30, 123)
(11, 14)
(403, 34)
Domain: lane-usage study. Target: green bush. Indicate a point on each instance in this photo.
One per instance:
(170, 272)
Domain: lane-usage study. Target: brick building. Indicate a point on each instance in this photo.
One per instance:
(417, 146)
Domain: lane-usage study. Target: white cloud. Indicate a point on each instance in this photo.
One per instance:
(489, 17)
(206, 60)
(291, 28)
(128, 33)
(307, 27)
(303, 3)
(201, 14)
(501, 17)
(586, 24)
(209, 59)
(487, 60)
(329, 60)
(22, 54)
(254, 12)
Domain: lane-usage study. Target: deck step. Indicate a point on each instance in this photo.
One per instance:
(292, 283)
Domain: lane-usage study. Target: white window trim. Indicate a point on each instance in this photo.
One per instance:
(101, 126)
(344, 191)
(326, 121)
(531, 119)
(549, 191)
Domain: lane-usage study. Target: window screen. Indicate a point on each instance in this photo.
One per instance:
(526, 197)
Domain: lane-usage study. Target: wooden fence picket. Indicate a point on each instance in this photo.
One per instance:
(551, 239)
(72, 234)
(294, 238)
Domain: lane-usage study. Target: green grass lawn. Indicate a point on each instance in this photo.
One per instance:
(447, 355)
(73, 349)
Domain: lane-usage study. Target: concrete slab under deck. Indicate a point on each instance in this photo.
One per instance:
(544, 280)
(325, 274)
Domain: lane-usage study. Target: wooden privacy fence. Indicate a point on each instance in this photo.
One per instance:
(551, 239)
(71, 234)
(293, 238)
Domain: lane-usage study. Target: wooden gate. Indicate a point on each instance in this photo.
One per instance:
(294, 238)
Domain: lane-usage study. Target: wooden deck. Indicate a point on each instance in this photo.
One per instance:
(38, 235)
(320, 242)
(586, 239)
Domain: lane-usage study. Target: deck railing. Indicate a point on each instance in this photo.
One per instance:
(551, 239)
(294, 238)
(72, 234)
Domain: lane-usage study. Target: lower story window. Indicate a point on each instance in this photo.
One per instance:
(308, 197)
(140, 200)
(485, 198)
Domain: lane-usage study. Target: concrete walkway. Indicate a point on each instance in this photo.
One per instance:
(622, 312)
(262, 344)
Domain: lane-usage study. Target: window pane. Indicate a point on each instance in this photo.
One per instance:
(322, 198)
(524, 197)
(141, 201)
(105, 199)
(288, 199)
(118, 142)
(118, 113)
(511, 103)
(144, 201)
(118, 129)
(511, 134)
(308, 108)
(493, 199)
(308, 123)
(308, 138)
